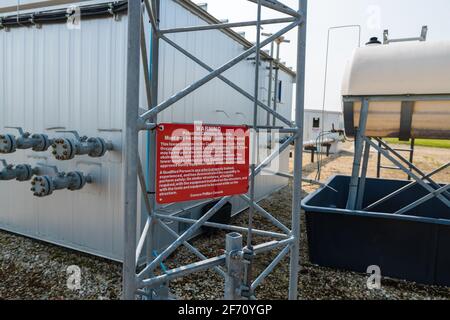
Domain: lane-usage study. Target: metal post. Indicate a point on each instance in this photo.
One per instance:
(277, 73)
(269, 91)
(379, 162)
(359, 144)
(411, 155)
(234, 266)
(254, 151)
(154, 74)
(131, 151)
(362, 181)
(298, 161)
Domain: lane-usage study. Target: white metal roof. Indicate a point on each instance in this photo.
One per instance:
(399, 69)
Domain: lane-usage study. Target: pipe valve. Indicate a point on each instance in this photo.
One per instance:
(43, 186)
(37, 142)
(67, 149)
(23, 172)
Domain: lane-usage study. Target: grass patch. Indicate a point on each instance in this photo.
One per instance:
(423, 143)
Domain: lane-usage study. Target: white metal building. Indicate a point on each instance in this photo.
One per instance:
(318, 122)
(59, 78)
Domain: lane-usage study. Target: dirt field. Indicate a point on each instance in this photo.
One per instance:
(34, 270)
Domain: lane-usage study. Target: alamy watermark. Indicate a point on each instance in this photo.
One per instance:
(374, 279)
(73, 18)
(373, 17)
(210, 145)
(73, 278)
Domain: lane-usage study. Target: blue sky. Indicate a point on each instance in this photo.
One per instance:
(403, 18)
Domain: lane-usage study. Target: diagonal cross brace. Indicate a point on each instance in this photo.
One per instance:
(423, 199)
(227, 81)
(407, 187)
(413, 175)
(193, 87)
(190, 232)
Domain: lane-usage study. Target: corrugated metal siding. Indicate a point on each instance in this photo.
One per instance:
(75, 79)
(57, 78)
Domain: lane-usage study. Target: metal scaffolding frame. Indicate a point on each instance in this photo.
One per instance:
(364, 143)
(237, 260)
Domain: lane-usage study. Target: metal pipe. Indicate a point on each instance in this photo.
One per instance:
(254, 150)
(278, 6)
(148, 88)
(224, 226)
(131, 152)
(359, 143)
(227, 25)
(182, 271)
(298, 160)
(142, 239)
(406, 98)
(151, 136)
(269, 246)
(277, 72)
(362, 180)
(234, 266)
(270, 268)
(152, 16)
(269, 91)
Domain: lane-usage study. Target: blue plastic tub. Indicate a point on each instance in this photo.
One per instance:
(414, 247)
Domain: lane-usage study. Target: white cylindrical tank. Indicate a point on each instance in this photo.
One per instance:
(399, 73)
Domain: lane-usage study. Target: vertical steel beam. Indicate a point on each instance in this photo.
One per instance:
(154, 78)
(254, 146)
(362, 181)
(379, 162)
(298, 160)
(277, 75)
(269, 90)
(359, 145)
(411, 155)
(131, 151)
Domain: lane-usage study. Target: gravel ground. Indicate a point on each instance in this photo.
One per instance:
(31, 269)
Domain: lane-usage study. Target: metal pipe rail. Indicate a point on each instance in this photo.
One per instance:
(206, 264)
(227, 25)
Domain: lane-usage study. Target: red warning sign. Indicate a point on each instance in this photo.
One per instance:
(197, 161)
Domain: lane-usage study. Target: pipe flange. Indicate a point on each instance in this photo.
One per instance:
(8, 143)
(77, 180)
(26, 172)
(100, 147)
(42, 186)
(63, 149)
(44, 142)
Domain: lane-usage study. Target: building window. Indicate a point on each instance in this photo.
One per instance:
(316, 123)
(280, 88)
